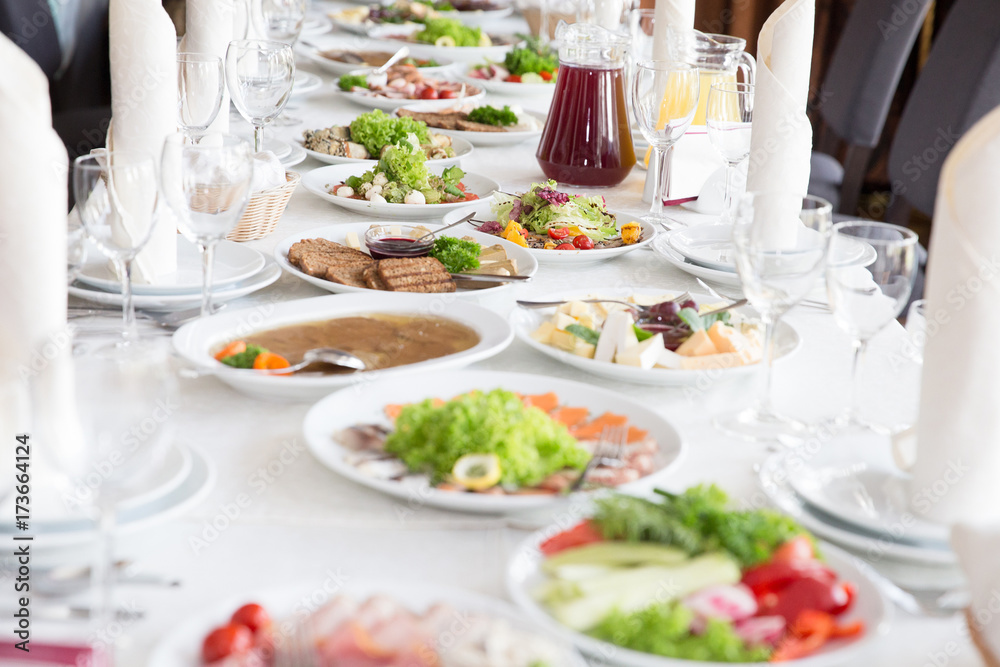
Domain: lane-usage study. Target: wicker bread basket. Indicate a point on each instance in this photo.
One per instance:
(264, 210)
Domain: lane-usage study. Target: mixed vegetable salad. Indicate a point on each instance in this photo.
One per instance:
(532, 63)
(451, 32)
(401, 177)
(685, 576)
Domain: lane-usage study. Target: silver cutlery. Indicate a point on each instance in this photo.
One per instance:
(66, 580)
(393, 59)
(484, 278)
(642, 310)
(69, 613)
(608, 452)
(325, 355)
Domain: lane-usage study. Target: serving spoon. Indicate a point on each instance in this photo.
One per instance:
(393, 59)
(326, 355)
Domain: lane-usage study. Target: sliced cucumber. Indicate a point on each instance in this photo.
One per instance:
(444, 40)
(531, 77)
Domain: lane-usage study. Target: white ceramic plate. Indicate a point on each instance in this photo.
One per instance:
(526, 264)
(445, 67)
(577, 256)
(524, 322)
(375, 101)
(524, 575)
(319, 181)
(512, 88)
(198, 340)
(191, 491)
(662, 248)
(459, 54)
(305, 83)
(711, 246)
(364, 405)
(166, 303)
(462, 149)
(181, 647)
(316, 24)
(774, 476)
(233, 263)
(854, 479)
(484, 138)
(479, 17)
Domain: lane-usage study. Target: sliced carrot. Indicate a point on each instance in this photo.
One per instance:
(270, 361)
(611, 419)
(587, 431)
(636, 434)
(547, 402)
(808, 633)
(233, 348)
(392, 410)
(850, 630)
(570, 416)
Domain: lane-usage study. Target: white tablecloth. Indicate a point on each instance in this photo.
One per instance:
(306, 522)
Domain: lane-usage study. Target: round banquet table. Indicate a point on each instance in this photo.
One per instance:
(289, 520)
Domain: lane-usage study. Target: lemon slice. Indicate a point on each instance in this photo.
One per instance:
(477, 471)
(444, 40)
(484, 40)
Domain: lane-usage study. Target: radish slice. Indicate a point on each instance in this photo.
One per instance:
(729, 603)
(761, 629)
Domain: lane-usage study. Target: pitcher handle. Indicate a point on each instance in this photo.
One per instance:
(748, 66)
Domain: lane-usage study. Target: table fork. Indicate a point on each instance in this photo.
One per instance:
(609, 450)
(297, 649)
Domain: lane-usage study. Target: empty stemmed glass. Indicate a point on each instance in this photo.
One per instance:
(76, 247)
(116, 198)
(208, 186)
(200, 84)
(781, 241)
(869, 280)
(729, 115)
(260, 75)
(664, 99)
(282, 21)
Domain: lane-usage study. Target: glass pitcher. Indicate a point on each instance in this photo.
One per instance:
(587, 141)
(719, 57)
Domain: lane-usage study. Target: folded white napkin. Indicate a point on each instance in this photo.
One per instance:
(670, 14)
(144, 112)
(977, 546)
(267, 172)
(34, 346)
(208, 31)
(957, 467)
(781, 140)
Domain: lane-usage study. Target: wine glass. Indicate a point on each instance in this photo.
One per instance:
(781, 241)
(869, 280)
(76, 247)
(664, 99)
(124, 401)
(200, 84)
(916, 329)
(729, 115)
(260, 75)
(282, 21)
(208, 186)
(116, 198)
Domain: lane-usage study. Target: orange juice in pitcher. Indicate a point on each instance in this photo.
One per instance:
(719, 58)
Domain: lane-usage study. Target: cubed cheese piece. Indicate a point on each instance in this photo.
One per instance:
(563, 320)
(712, 361)
(628, 336)
(564, 340)
(578, 308)
(543, 334)
(728, 340)
(352, 240)
(698, 345)
(670, 359)
(491, 269)
(644, 354)
(586, 320)
(564, 307)
(616, 326)
(584, 349)
(493, 253)
(508, 264)
(395, 230)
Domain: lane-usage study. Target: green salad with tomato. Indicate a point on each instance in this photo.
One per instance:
(686, 576)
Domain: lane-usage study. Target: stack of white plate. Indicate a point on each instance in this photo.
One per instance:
(238, 271)
(850, 492)
(707, 251)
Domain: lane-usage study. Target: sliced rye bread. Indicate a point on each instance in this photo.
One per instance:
(373, 279)
(350, 274)
(415, 274)
(300, 248)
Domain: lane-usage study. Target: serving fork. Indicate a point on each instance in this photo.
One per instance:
(643, 310)
(609, 450)
(297, 648)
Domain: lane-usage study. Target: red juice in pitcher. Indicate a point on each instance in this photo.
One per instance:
(587, 140)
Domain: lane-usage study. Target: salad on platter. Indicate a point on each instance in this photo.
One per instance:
(686, 576)
(498, 442)
(544, 218)
(484, 118)
(532, 63)
(371, 133)
(374, 631)
(404, 82)
(659, 332)
(401, 177)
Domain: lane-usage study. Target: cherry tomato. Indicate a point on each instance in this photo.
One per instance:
(513, 78)
(774, 576)
(558, 232)
(524, 233)
(583, 242)
(582, 533)
(448, 95)
(428, 94)
(808, 594)
(566, 246)
(797, 548)
(546, 75)
(232, 639)
(253, 616)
